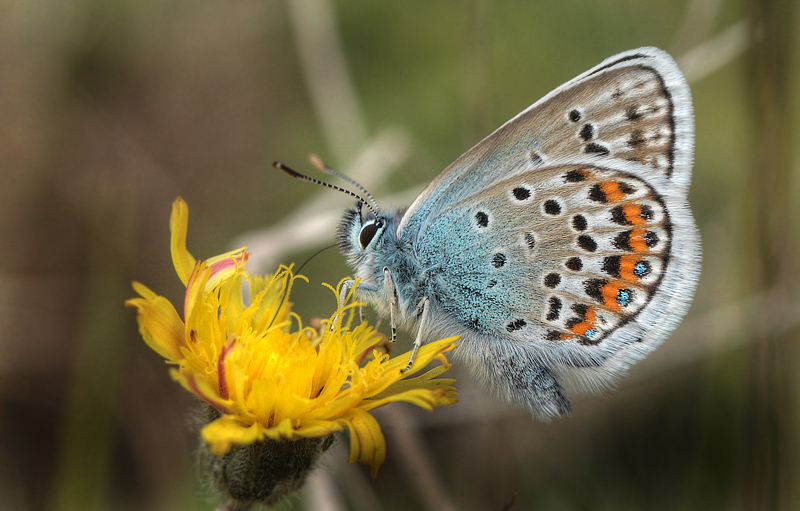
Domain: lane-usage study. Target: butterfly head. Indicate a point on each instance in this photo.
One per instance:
(364, 239)
(359, 233)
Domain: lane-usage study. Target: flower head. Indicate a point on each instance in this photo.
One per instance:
(266, 375)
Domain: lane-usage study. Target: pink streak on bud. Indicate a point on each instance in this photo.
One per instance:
(221, 266)
(190, 381)
(223, 384)
(228, 263)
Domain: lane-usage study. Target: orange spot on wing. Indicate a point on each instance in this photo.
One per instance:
(626, 266)
(612, 191)
(633, 214)
(580, 328)
(609, 292)
(589, 321)
(637, 241)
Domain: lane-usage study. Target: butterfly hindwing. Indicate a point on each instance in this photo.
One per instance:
(562, 262)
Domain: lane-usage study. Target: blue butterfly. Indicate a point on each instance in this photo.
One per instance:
(561, 248)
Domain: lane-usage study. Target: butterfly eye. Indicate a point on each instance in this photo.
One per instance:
(367, 233)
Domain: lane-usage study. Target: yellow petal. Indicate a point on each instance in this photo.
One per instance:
(334, 408)
(392, 368)
(284, 429)
(427, 380)
(328, 368)
(235, 308)
(424, 356)
(179, 225)
(159, 323)
(318, 429)
(203, 389)
(261, 399)
(195, 290)
(367, 444)
(227, 431)
(424, 398)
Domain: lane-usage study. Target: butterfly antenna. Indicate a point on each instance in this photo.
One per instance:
(323, 167)
(293, 173)
(297, 272)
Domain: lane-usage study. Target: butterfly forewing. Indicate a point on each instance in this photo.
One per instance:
(633, 107)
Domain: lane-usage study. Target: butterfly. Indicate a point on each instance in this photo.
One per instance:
(561, 248)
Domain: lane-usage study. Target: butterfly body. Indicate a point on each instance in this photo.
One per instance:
(561, 248)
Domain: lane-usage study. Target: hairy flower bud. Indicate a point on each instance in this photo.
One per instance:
(263, 472)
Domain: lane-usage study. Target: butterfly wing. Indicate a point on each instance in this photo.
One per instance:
(569, 271)
(635, 106)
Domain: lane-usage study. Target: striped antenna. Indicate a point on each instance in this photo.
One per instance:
(293, 173)
(323, 167)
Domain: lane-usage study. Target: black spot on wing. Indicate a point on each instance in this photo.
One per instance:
(517, 324)
(597, 194)
(552, 280)
(622, 241)
(575, 176)
(552, 207)
(499, 260)
(555, 308)
(611, 265)
(574, 264)
(521, 193)
(530, 240)
(587, 132)
(598, 149)
(594, 288)
(553, 335)
(587, 243)
(579, 223)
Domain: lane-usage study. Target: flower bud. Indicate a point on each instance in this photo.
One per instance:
(263, 472)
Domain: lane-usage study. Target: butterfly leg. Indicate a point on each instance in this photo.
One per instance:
(347, 285)
(418, 341)
(391, 292)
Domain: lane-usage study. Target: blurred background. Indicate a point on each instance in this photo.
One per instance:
(111, 109)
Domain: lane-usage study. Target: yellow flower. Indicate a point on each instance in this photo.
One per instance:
(267, 379)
